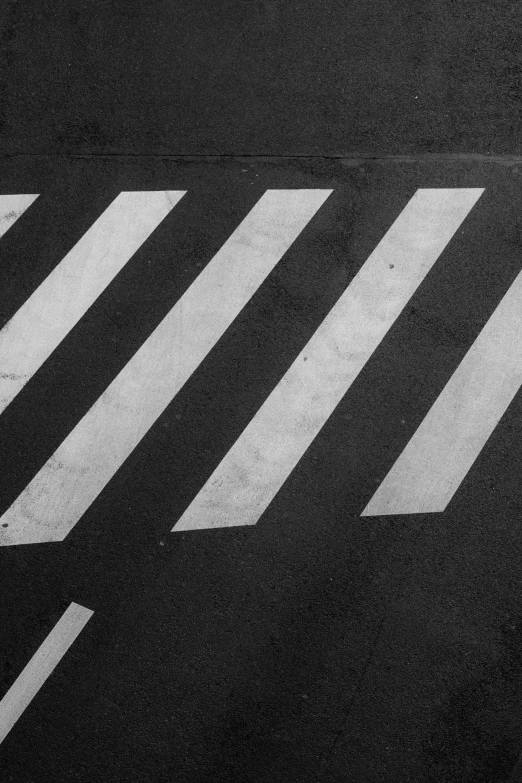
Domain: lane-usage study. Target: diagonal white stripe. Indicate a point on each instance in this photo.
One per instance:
(41, 666)
(272, 444)
(43, 321)
(68, 483)
(436, 460)
(12, 206)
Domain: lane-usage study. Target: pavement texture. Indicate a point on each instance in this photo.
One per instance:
(263, 77)
(318, 646)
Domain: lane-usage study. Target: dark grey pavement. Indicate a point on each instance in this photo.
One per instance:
(317, 646)
(301, 77)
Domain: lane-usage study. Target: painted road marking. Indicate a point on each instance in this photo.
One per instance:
(439, 455)
(41, 666)
(68, 483)
(12, 207)
(40, 325)
(270, 447)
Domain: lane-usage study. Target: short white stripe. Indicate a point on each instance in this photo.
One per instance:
(43, 321)
(11, 207)
(88, 458)
(272, 444)
(41, 666)
(436, 460)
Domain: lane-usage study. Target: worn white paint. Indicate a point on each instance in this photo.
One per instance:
(272, 444)
(439, 455)
(12, 206)
(41, 666)
(40, 325)
(88, 458)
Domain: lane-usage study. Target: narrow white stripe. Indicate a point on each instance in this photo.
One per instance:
(11, 207)
(39, 326)
(270, 447)
(42, 664)
(88, 458)
(436, 460)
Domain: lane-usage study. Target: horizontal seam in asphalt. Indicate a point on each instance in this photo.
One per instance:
(350, 159)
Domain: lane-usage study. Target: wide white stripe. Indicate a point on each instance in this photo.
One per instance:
(39, 326)
(434, 463)
(41, 665)
(12, 206)
(88, 458)
(270, 447)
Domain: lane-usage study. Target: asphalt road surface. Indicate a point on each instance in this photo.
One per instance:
(260, 368)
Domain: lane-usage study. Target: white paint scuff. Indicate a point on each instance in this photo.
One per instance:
(270, 447)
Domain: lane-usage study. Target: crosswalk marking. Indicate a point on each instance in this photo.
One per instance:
(439, 455)
(41, 666)
(270, 447)
(12, 206)
(43, 321)
(69, 482)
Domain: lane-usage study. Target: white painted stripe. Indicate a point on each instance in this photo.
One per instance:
(41, 666)
(88, 458)
(39, 326)
(12, 206)
(439, 455)
(272, 444)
